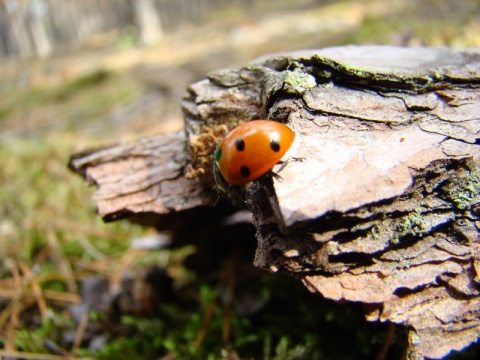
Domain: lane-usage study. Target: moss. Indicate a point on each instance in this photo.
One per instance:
(5, 112)
(80, 83)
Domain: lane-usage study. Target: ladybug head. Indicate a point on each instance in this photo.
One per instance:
(226, 190)
(220, 184)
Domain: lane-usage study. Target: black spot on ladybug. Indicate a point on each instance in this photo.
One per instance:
(245, 171)
(274, 145)
(240, 144)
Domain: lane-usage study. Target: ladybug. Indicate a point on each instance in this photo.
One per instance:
(249, 151)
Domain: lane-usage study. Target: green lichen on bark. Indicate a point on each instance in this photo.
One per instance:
(463, 187)
(297, 83)
(412, 224)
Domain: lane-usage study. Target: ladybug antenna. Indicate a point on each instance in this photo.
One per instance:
(284, 163)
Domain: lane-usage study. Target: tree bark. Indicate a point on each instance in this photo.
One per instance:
(144, 177)
(385, 209)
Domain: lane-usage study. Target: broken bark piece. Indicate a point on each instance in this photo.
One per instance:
(141, 177)
(385, 209)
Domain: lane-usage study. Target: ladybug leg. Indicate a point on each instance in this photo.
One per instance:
(216, 201)
(233, 194)
(236, 196)
(277, 176)
(290, 159)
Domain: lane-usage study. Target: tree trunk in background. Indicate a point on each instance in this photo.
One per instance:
(23, 42)
(38, 24)
(148, 22)
(28, 28)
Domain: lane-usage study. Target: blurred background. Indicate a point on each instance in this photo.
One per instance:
(76, 74)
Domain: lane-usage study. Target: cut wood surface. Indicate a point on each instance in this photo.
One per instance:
(385, 208)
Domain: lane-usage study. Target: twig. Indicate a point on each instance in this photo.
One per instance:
(62, 297)
(36, 288)
(229, 279)
(205, 324)
(90, 249)
(63, 263)
(82, 326)
(17, 298)
(382, 353)
(35, 356)
(126, 263)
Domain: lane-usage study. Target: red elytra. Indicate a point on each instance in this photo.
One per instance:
(250, 150)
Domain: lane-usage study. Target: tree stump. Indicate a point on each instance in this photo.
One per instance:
(385, 209)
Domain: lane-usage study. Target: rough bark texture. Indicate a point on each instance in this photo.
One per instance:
(142, 177)
(385, 209)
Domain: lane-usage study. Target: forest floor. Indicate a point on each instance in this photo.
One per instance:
(57, 254)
